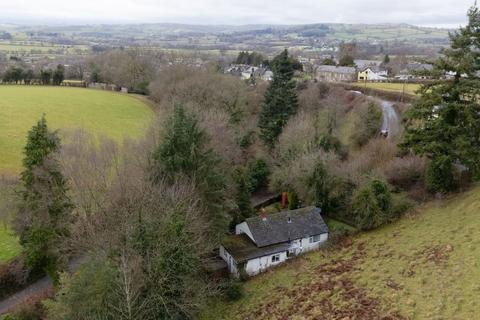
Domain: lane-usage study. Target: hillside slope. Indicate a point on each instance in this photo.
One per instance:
(421, 267)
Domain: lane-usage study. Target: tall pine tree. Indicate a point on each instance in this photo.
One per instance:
(184, 153)
(242, 197)
(445, 122)
(45, 208)
(280, 100)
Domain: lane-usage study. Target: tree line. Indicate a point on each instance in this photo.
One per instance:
(19, 75)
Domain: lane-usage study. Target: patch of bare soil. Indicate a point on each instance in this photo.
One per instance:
(437, 255)
(329, 293)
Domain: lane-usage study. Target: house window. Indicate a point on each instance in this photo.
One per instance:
(314, 239)
(276, 258)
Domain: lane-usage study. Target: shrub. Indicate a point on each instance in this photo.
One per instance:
(322, 89)
(405, 172)
(382, 194)
(340, 231)
(28, 311)
(246, 140)
(258, 173)
(372, 205)
(299, 136)
(292, 200)
(439, 175)
(368, 161)
(294, 175)
(367, 124)
(330, 143)
(367, 212)
(400, 204)
(233, 290)
(13, 276)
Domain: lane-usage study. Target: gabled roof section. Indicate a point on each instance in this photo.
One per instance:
(286, 225)
(373, 68)
(242, 248)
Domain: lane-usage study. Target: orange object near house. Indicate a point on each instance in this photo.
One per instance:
(284, 200)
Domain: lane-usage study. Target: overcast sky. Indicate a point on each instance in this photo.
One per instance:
(449, 13)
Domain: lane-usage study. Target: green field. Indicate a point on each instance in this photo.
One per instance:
(425, 266)
(9, 246)
(106, 113)
(100, 112)
(410, 88)
(39, 47)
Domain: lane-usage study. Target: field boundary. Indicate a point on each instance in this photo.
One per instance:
(378, 93)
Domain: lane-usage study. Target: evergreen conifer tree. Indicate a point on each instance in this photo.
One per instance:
(184, 153)
(45, 208)
(242, 196)
(386, 59)
(445, 122)
(280, 100)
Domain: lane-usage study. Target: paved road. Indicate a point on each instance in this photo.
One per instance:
(391, 121)
(34, 289)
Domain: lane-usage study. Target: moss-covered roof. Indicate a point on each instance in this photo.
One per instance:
(241, 248)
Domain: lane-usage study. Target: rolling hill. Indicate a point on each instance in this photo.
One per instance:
(424, 266)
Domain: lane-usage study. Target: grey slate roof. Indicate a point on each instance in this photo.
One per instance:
(242, 248)
(419, 67)
(345, 70)
(363, 64)
(304, 222)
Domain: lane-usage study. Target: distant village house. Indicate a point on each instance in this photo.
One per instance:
(415, 71)
(335, 74)
(375, 74)
(247, 72)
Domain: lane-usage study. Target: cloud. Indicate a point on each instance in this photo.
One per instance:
(420, 12)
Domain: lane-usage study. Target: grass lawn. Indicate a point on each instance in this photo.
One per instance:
(424, 266)
(410, 88)
(9, 246)
(111, 114)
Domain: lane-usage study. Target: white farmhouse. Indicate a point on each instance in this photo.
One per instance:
(372, 74)
(265, 241)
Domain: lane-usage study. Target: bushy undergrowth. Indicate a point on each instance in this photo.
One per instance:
(13, 276)
(311, 162)
(367, 124)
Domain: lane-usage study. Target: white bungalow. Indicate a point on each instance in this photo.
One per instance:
(265, 241)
